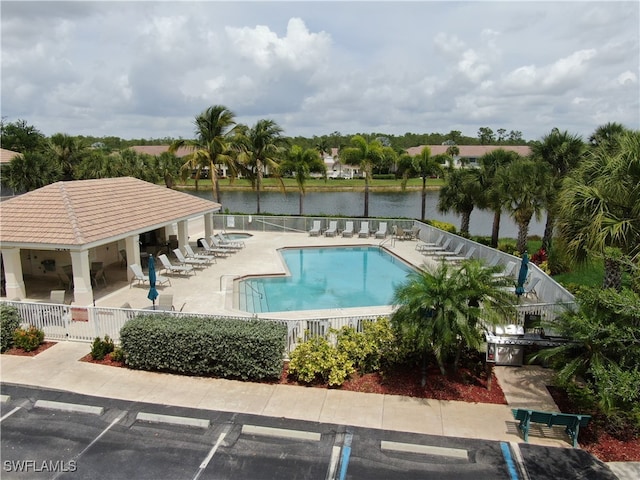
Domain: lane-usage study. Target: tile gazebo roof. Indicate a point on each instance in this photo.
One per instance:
(82, 212)
(475, 151)
(7, 155)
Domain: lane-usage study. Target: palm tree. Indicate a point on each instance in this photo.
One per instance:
(606, 133)
(425, 166)
(490, 164)
(523, 185)
(211, 147)
(67, 153)
(443, 309)
(599, 205)
(561, 151)
(461, 192)
(301, 163)
(29, 171)
(365, 155)
(260, 149)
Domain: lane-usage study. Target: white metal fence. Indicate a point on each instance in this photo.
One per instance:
(83, 324)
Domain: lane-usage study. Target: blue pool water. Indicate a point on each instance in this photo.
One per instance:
(321, 278)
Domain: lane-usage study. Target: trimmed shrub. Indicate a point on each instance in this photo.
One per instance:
(9, 323)
(447, 227)
(118, 355)
(100, 348)
(316, 360)
(228, 348)
(28, 339)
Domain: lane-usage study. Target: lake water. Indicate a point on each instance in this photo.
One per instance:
(351, 204)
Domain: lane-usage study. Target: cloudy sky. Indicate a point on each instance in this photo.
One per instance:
(146, 69)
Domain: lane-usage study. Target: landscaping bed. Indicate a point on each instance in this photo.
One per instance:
(23, 353)
(596, 438)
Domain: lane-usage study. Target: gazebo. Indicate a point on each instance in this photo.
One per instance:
(82, 223)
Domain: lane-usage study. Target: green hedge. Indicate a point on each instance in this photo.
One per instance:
(9, 323)
(250, 350)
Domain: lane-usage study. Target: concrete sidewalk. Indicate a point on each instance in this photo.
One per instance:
(59, 368)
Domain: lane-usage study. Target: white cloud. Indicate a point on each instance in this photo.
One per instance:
(145, 69)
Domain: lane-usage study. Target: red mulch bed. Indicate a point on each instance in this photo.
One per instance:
(595, 438)
(462, 386)
(22, 353)
(105, 361)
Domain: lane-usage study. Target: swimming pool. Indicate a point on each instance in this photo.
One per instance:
(323, 278)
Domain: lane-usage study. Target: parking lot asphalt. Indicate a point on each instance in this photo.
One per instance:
(56, 434)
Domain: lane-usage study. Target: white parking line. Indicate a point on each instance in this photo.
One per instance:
(424, 449)
(208, 458)
(280, 432)
(333, 463)
(9, 414)
(517, 456)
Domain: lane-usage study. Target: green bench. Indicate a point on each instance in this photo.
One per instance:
(571, 421)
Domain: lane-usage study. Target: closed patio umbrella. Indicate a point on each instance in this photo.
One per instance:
(153, 293)
(522, 275)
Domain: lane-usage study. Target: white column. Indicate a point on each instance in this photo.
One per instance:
(183, 233)
(208, 225)
(132, 245)
(82, 289)
(13, 273)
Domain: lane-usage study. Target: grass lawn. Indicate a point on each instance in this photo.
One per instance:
(318, 184)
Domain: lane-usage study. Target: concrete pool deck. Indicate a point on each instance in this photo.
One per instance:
(210, 289)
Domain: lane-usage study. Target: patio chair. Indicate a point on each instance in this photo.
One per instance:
(217, 244)
(332, 230)
(224, 240)
(530, 288)
(400, 233)
(177, 269)
(461, 258)
(165, 302)
(140, 277)
(414, 233)
(364, 230)
(507, 272)
(382, 230)
(429, 250)
(424, 245)
(189, 253)
(57, 296)
(194, 262)
(98, 277)
(218, 252)
(450, 253)
(315, 230)
(66, 281)
(348, 229)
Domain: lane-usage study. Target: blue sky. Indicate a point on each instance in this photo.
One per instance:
(146, 69)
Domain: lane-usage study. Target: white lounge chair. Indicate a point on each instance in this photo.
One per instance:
(217, 244)
(348, 229)
(178, 269)
(382, 230)
(507, 272)
(189, 253)
(315, 230)
(424, 245)
(140, 277)
(461, 258)
(218, 252)
(448, 253)
(224, 240)
(530, 287)
(430, 250)
(182, 260)
(364, 230)
(332, 230)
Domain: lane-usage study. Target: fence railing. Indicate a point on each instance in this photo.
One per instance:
(83, 324)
